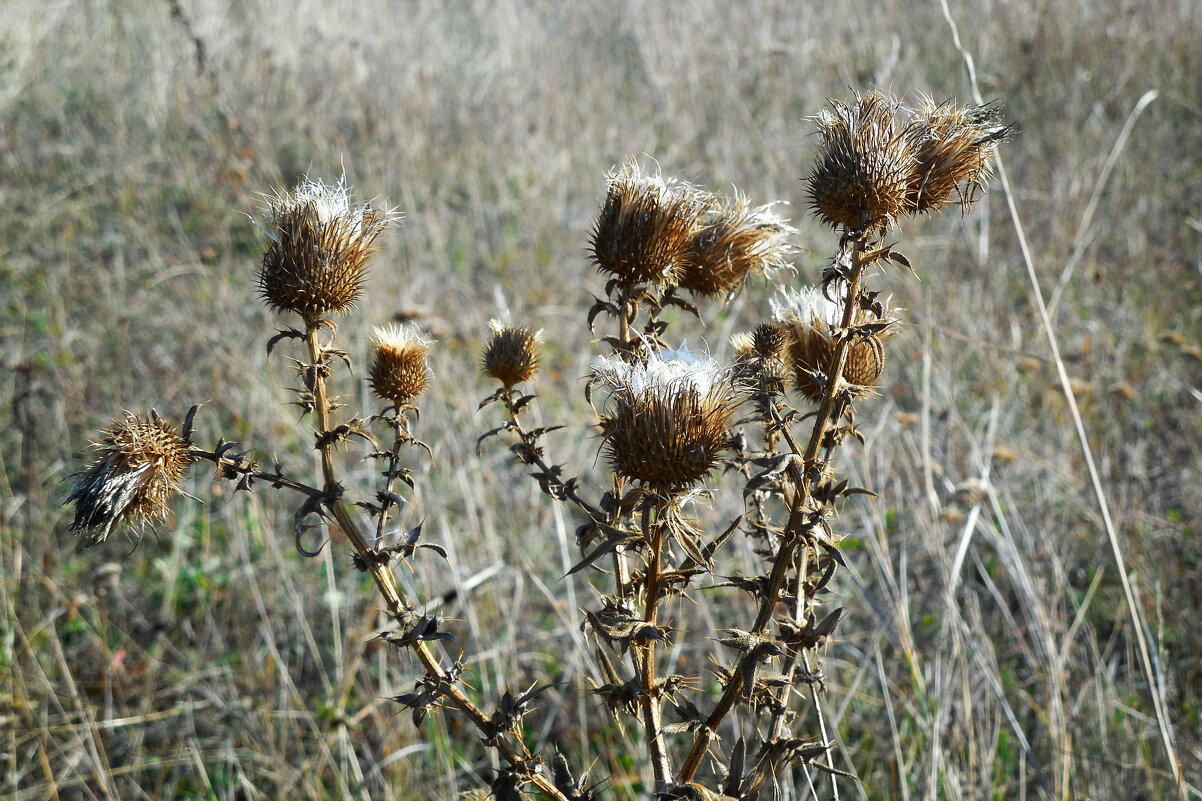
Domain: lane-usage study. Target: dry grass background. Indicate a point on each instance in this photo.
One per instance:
(215, 663)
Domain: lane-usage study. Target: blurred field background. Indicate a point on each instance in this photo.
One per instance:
(213, 662)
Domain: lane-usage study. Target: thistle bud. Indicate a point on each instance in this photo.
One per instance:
(399, 371)
(734, 241)
(668, 418)
(317, 250)
(860, 180)
(139, 465)
(512, 354)
(644, 229)
(769, 339)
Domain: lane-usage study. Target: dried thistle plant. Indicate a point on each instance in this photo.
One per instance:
(860, 180)
(811, 319)
(318, 247)
(139, 465)
(512, 353)
(645, 229)
(399, 373)
(676, 428)
(735, 240)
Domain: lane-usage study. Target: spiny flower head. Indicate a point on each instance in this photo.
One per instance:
(860, 180)
(734, 240)
(668, 417)
(812, 319)
(317, 250)
(512, 354)
(400, 372)
(954, 148)
(139, 465)
(644, 229)
(769, 339)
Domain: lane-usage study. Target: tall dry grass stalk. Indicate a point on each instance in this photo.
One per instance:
(676, 428)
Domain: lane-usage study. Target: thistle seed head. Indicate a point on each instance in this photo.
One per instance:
(400, 372)
(954, 148)
(317, 250)
(644, 229)
(139, 465)
(812, 319)
(770, 339)
(860, 180)
(668, 418)
(735, 240)
(512, 354)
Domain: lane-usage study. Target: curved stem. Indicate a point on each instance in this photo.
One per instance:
(386, 584)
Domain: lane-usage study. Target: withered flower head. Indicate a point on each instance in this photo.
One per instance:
(317, 250)
(742, 345)
(954, 148)
(733, 241)
(668, 418)
(812, 319)
(644, 229)
(511, 355)
(762, 348)
(769, 339)
(399, 371)
(139, 465)
(860, 180)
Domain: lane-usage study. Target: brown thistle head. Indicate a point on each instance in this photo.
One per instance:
(743, 353)
(770, 339)
(668, 418)
(512, 354)
(735, 240)
(644, 229)
(860, 179)
(762, 348)
(317, 250)
(139, 465)
(954, 148)
(812, 319)
(400, 372)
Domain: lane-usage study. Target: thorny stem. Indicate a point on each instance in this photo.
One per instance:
(779, 719)
(626, 311)
(534, 458)
(835, 377)
(385, 583)
(784, 556)
(394, 457)
(649, 697)
(275, 479)
(777, 726)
